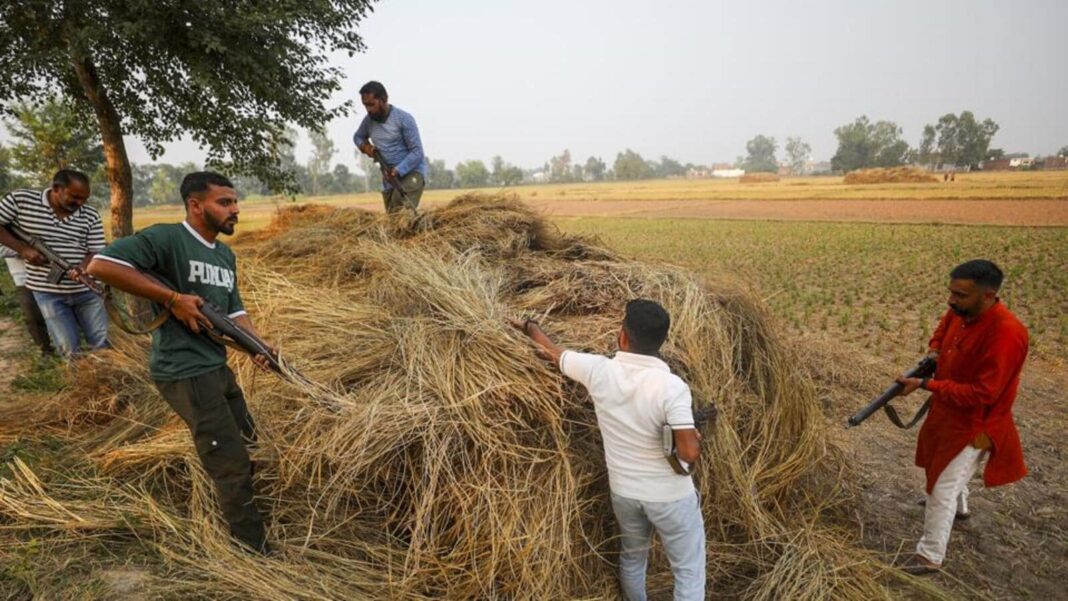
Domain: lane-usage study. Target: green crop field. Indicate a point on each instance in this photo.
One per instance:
(879, 286)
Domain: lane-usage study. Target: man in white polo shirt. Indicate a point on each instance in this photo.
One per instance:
(634, 394)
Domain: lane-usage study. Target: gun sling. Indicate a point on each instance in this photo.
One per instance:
(896, 419)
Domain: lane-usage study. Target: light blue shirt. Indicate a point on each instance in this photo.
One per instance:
(397, 138)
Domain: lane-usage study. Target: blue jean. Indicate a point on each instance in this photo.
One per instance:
(682, 533)
(70, 316)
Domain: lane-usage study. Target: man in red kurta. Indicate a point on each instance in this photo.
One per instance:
(980, 347)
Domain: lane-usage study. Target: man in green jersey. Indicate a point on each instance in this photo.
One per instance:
(188, 367)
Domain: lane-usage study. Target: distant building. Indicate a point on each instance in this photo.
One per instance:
(729, 172)
(1055, 163)
(817, 168)
(1017, 163)
(698, 173)
(721, 166)
(996, 165)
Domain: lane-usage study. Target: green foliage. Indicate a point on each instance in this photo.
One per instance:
(228, 74)
(9, 304)
(863, 144)
(560, 168)
(438, 177)
(962, 140)
(1063, 152)
(797, 153)
(926, 154)
(46, 374)
(341, 180)
(372, 175)
(8, 179)
(51, 134)
(472, 174)
(669, 167)
(630, 165)
(761, 154)
(595, 168)
(318, 168)
(505, 174)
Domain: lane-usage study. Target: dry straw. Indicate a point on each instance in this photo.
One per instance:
(890, 175)
(450, 461)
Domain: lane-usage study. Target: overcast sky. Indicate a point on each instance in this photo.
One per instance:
(695, 79)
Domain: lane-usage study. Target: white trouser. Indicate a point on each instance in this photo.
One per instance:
(951, 487)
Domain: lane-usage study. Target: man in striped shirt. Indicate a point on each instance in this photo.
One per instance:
(59, 217)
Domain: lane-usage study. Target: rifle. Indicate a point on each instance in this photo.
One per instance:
(394, 181)
(925, 368)
(224, 329)
(228, 332)
(701, 417)
(59, 267)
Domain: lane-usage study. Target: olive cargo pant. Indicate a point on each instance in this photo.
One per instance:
(213, 407)
(413, 185)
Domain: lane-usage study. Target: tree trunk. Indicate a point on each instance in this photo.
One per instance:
(119, 175)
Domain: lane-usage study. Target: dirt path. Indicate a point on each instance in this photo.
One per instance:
(986, 212)
(1015, 546)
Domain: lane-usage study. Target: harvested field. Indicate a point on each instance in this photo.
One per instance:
(448, 461)
(991, 199)
(892, 175)
(758, 178)
(972, 212)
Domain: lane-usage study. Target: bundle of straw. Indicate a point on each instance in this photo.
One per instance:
(454, 463)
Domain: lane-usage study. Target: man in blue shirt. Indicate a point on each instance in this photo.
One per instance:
(394, 134)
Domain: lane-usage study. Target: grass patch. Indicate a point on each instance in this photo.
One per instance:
(9, 304)
(45, 374)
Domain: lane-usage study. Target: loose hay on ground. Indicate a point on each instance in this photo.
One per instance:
(458, 465)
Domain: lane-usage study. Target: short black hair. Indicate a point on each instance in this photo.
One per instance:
(64, 177)
(982, 272)
(199, 181)
(646, 324)
(375, 89)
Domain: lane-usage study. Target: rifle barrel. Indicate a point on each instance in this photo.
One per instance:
(923, 369)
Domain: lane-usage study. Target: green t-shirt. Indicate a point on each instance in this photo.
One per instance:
(183, 260)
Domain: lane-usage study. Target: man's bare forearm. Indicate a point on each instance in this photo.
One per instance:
(129, 280)
(549, 349)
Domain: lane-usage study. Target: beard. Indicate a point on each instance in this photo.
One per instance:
(960, 312)
(225, 226)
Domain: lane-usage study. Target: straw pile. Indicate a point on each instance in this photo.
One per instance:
(891, 175)
(758, 178)
(459, 465)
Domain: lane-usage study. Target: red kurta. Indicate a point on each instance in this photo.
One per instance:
(973, 391)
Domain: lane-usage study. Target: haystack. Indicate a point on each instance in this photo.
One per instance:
(459, 465)
(891, 175)
(758, 178)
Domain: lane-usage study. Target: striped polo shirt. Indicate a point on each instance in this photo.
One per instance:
(72, 238)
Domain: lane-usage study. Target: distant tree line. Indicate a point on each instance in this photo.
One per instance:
(48, 134)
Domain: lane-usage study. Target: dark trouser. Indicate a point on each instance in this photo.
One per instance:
(413, 185)
(35, 322)
(213, 407)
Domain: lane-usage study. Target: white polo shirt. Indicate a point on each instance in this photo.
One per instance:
(634, 396)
